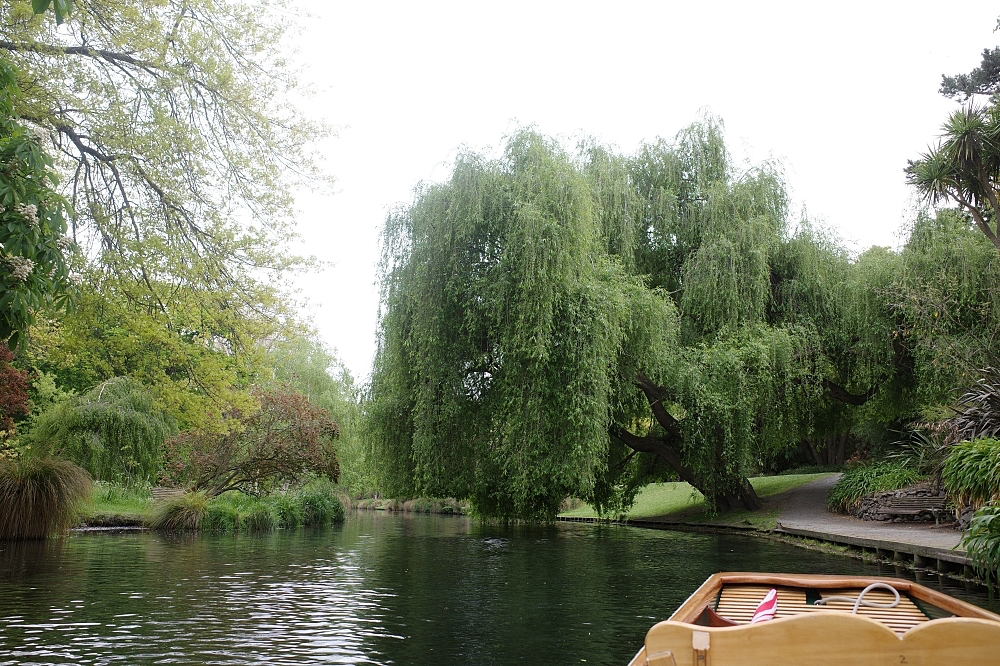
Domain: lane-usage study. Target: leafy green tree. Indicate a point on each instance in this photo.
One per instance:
(983, 80)
(557, 325)
(181, 150)
(301, 361)
(114, 431)
(184, 357)
(948, 299)
(33, 268)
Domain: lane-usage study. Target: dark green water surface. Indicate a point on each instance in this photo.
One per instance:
(384, 589)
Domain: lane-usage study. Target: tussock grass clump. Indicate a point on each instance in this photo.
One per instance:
(39, 496)
(861, 481)
(972, 472)
(315, 504)
(234, 511)
(320, 505)
(180, 513)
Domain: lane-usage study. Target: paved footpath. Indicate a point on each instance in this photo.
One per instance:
(805, 514)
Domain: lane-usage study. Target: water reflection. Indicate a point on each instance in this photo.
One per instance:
(381, 589)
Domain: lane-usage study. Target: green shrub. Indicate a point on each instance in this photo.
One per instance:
(982, 542)
(289, 510)
(221, 516)
(114, 432)
(259, 517)
(320, 505)
(315, 504)
(180, 513)
(868, 479)
(972, 472)
(39, 496)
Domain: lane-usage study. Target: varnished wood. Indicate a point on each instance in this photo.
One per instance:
(690, 609)
(828, 639)
(805, 634)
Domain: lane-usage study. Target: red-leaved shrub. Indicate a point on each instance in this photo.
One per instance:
(287, 438)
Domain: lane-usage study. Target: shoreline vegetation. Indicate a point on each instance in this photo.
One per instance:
(112, 506)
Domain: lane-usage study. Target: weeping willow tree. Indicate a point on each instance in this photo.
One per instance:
(114, 431)
(503, 328)
(559, 324)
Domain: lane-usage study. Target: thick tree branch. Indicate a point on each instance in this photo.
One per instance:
(838, 392)
(657, 446)
(977, 216)
(654, 394)
(98, 54)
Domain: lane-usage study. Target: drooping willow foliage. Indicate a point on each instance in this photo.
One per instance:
(502, 324)
(114, 431)
(559, 324)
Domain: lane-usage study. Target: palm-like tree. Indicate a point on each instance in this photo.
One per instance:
(964, 167)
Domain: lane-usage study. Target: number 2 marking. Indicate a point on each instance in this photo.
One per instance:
(902, 659)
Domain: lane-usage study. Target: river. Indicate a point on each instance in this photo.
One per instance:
(381, 589)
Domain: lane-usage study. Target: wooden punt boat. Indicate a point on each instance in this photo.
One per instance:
(923, 627)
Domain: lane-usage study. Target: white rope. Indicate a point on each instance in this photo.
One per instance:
(860, 600)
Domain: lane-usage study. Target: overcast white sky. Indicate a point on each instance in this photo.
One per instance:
(842, 94)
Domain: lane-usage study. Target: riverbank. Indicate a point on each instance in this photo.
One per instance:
(678, 502)
(118, 507)
(799, 516)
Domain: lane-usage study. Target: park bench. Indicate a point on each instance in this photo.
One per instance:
(165, 493)
(935, 506)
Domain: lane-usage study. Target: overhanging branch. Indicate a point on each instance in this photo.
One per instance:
(838, 392)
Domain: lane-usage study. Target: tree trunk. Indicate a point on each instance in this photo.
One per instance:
(831, 450)
(811, 449)
(842, 447)
(734, 493)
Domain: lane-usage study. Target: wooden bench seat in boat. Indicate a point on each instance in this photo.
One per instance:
(738, 602)
(924, 628)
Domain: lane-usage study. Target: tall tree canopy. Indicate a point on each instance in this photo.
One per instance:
(963, 167)
(557, 324)
(173, 121)
(33, 260)
(174, 127)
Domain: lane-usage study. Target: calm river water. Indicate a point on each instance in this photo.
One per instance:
(382, 589)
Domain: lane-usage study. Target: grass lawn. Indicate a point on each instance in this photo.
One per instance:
(678, 499)
(112, 505)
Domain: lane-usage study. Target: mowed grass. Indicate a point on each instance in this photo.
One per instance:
(664, 499)
(110, 501)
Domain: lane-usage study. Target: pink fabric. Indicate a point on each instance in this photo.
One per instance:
(767, 608)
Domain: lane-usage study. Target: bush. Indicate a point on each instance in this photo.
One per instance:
(289, 510)
(221, 516)
(320, 505)
(180, 513)
(972, 472)
(982, 542)
(315, 504)
(114, 432)
(285, 440)
(39, 496)
(861, 481)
